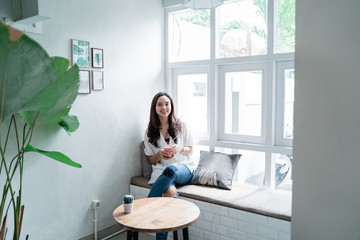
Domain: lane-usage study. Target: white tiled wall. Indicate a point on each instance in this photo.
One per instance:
(222, 223)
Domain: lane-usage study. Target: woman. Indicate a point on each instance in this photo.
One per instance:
(173, 166)
(168, 146)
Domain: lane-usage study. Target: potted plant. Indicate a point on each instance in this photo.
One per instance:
(128, 202)
(35, 89)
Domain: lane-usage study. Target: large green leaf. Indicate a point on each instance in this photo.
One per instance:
(70, 123)
(54, 155)
(68, 82)
(27, 76)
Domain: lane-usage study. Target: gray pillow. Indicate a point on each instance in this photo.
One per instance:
(215, 169)
(146, 167)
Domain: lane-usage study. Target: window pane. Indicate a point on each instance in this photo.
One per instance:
(243, 103)
(251, 167)
(189, 35)
(192, 103)
(242, 29)
(289, 104)
(283, 172)
(285, 26)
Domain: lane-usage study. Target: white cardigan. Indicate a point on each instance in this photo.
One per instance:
(184, 139)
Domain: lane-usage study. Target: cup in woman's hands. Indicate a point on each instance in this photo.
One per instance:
(168, 150)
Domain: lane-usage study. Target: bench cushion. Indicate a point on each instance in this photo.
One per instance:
(263, 201)
(146, 167)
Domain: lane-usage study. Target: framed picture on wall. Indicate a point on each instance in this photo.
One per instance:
(97, 57)
(84, 87)
(98, 80)
(80, 53)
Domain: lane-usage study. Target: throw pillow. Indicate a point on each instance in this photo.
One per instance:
(215, 169)
(146, 167)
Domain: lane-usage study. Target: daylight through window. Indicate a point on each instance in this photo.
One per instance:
(231, 72)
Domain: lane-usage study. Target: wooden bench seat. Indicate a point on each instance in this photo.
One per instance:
(263, 201)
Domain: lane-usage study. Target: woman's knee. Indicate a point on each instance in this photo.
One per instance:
(170, 171)
(170, 191)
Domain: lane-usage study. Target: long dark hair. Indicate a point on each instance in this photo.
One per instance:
(154, 126)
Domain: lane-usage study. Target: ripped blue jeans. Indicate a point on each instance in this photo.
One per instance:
(172, 175)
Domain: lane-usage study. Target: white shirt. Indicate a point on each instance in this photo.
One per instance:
(184, 138)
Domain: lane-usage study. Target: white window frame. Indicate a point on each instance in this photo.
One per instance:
(281, 66)
(242, 68)
(215, 67)
(176, 72)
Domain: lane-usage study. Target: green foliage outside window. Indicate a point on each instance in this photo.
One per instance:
(285, 23)
(198, 17)
(286, 26)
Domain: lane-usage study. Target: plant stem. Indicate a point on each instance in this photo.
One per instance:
(16, 163)
(8, 180)
(6, 141)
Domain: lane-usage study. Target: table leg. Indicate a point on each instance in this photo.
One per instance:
(135, 235)
(129, 234)
(175, 235)
(185, 233)
(132, 235)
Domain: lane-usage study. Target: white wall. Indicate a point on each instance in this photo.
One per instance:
(170, 3)
(326, 192)
(112, 122)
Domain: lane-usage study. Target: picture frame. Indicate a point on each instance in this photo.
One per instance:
(98, 80)
(97, 57)
(80, 53)
(84, 77)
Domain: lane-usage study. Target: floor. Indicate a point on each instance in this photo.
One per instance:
(142, 236)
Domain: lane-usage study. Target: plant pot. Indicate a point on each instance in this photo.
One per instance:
(128, 207)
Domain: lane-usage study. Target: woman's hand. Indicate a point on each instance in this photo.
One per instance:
(175, 149)
(165, 154)
(161, 154)
(168, 152)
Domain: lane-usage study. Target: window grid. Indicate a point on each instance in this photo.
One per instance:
(241, 68)
(215, 66)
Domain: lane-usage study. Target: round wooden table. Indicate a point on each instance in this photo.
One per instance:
(155, 215)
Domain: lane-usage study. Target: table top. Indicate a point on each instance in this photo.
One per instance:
(161, 214)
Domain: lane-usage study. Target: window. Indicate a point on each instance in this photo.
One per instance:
(251, 167)
(192, 99)
(285, 103)
(189, 30)
(285, 26)
(231, 73)
(242, 103)
(283, 171)
(242, 29)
